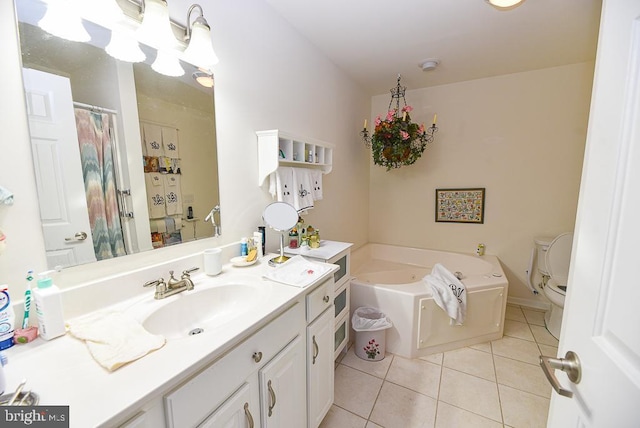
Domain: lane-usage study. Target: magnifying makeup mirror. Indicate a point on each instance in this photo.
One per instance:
(281, 217)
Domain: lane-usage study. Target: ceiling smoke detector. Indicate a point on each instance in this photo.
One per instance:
(429, 64)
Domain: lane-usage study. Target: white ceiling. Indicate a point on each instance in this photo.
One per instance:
(375, 40)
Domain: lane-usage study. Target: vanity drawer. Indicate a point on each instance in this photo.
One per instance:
(319, 299)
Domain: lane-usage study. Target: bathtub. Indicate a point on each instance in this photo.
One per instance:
(389, 278)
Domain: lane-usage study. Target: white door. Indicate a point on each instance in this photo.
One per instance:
(56, 157)
(602, 318)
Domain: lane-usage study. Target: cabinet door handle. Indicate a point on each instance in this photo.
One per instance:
(272, 395)
(248, 414)
(325, 299)
(316, 349)
(257, 356)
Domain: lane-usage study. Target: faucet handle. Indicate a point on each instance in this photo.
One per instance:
(154, 282)
(185, 273)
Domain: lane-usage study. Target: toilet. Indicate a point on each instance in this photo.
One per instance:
(553, 258)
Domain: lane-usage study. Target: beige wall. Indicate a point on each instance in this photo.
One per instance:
(521, 136)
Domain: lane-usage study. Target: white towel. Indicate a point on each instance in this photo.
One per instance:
(6, 197)
(173, 194)
(303, 199)
(155, 194)
(448, 292)
(281, 185)
(152, 136)
(170, 142)
(114, 339)
(298, 272)
(316, 184)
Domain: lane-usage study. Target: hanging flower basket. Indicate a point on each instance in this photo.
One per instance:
(396, 141)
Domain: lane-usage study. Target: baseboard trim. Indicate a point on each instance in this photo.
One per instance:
(530, 303)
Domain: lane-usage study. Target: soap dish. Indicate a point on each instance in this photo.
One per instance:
(31, 400)
(241, 261)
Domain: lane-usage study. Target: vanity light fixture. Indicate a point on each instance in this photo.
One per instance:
(167, 63)
(123, 44)
(203, 78)
(200, 50)
(156, 31)
(505, 4)
(63, 20)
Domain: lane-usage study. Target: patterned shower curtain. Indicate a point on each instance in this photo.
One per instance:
(94, 136)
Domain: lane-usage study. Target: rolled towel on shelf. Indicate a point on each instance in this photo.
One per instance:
(448, 293)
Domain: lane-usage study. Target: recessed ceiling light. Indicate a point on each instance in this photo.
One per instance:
(429, 64)
(505, 4)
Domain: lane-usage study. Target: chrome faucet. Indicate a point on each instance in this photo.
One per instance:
(212, 216)
(173, 285)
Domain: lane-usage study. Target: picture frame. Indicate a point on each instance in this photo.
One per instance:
(460, 205)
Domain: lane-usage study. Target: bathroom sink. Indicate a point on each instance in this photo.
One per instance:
(197, 311)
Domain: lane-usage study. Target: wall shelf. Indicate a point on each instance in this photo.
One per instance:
(278, 148)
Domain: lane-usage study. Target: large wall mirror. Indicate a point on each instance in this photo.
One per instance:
(125, 158)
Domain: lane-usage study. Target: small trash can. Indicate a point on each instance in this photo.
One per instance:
(370, 326)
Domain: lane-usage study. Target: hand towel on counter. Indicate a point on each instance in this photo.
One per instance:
(281, 185)
(114, 339)
(170, 142)
(303, 199)
(152, 137)
(316, 184)
(298, 272)
(155, 194)
(448, 293)
(173, 194)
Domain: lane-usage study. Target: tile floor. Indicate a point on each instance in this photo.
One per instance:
(493, 384)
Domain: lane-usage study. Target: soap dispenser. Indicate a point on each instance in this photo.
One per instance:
(48, 301)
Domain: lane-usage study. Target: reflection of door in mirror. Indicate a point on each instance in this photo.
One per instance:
(132, 94)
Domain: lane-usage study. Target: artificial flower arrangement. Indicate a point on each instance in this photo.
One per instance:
(396, 141)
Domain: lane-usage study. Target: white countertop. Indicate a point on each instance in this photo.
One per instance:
(62, 371)
(326, 250)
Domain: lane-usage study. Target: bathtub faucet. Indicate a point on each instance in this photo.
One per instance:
(459, 274)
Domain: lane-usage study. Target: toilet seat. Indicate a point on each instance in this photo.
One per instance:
(557, 259)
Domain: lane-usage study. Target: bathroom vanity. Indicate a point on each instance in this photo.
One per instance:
(269, 366)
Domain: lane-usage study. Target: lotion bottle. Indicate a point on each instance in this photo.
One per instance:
(48, 301)
(7, 319)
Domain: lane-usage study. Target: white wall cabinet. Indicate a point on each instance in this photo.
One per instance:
(276, 148)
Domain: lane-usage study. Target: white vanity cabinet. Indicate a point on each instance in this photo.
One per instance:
(337, 253)
(265, 372)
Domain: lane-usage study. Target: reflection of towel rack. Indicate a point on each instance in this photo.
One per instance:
(94, 108)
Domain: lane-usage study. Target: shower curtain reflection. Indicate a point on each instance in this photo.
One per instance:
(95, 137)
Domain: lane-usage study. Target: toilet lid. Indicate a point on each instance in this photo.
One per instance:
(558, 257)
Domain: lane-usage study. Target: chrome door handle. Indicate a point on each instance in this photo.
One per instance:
(272, 395)
(316, 349)
(257, 356)
(80, 236)
(570, 364)
(325, 299)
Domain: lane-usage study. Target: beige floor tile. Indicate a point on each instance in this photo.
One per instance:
(448, 416)
(470, 393)
(521, 409)
(374, 368)
(400, 407)
(484, 347)
(471, 361)
(549, 351)
(372, 425)
(543, 336)
(534, 317)
(514, 313)
(518, 349)
(340, 418)
(433, 358)
(523, 376)
(355, 391)
(417, 375)
(517, 329)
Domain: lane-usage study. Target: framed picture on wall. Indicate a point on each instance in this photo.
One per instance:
(460, 205)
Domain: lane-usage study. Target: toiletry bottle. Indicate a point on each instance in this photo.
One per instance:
(7, 319)
(244, 250)
(3, 379)
(293, 238)
(480, 249)
(48, 301)
(263, 232)
(257, 241)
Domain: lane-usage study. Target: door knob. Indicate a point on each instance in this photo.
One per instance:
(80, 236)
(570, 364)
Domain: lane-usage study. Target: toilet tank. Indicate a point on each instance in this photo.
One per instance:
(542, 244)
